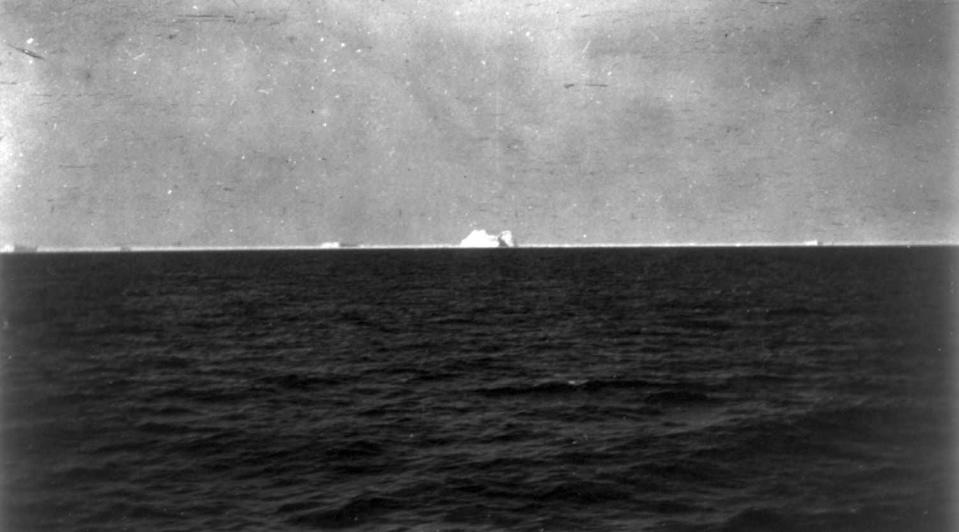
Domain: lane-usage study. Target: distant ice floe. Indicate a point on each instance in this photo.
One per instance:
(479, 238)
(17, 248)
(330, 245)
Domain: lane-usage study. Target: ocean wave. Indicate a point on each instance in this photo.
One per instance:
(566, 386)
(354, 512)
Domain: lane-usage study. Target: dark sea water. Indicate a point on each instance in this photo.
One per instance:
(577, 389)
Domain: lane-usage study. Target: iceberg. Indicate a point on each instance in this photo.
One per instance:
(479, 238)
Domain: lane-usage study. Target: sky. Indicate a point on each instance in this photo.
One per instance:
(255, 122)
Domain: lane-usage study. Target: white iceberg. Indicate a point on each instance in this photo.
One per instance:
(479, 238)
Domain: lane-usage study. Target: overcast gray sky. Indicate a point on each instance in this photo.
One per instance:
(239, 122)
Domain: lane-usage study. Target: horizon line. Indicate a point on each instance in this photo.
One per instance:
(20, 249)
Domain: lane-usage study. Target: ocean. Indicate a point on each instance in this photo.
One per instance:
(667, 389)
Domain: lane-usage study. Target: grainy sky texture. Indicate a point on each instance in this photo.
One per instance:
(239, 122)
